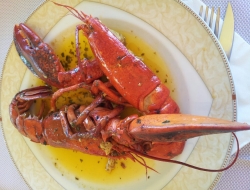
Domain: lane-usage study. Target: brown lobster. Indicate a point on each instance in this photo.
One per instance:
(159, 136)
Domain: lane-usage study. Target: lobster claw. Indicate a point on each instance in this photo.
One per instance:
(180, 127)
(38, 56)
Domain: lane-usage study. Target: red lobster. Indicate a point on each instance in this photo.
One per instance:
(101, 132)
(160, 135)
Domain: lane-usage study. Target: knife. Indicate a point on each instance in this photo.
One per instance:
(227, 31)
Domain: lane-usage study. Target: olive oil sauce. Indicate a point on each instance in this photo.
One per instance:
(88, 167)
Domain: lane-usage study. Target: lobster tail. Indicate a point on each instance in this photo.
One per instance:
(24, 99)
(31, 126)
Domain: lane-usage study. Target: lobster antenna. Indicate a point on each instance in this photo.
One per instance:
(76, 13)
(191, 166)
(143, 163)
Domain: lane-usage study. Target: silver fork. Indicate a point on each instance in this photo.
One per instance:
(210, 20)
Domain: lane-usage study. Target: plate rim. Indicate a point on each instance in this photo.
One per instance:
(232, 86)
(215, 41)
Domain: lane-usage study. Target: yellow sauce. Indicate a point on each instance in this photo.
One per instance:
(92, 168)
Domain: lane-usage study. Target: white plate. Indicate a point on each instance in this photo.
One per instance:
(200, 71)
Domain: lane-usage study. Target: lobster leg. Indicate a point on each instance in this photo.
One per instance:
(86, 71)
(100, 117)
(96, 87)
(76, 121)
(59, 92)
(109, 94)
(83, 115)
(180, 127)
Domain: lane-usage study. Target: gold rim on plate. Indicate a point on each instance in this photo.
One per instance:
(190, 35)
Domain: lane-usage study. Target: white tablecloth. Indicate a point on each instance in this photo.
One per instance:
(238, 177)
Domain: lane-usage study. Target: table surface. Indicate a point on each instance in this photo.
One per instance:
(235, 178)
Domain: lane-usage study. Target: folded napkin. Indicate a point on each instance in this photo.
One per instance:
(240, 67)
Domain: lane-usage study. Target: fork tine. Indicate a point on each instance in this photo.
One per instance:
(201, 10)
(211, 17)
(206, 14)
(217, 23)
